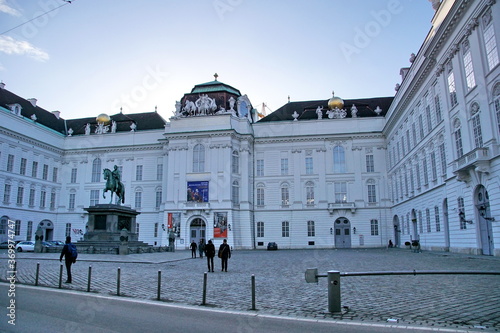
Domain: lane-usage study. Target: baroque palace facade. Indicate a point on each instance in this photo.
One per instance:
(422, 165)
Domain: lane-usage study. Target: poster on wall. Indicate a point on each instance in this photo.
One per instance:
(220, 225)
(197, 191)
(174, 223)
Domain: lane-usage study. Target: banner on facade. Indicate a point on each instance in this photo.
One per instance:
(174, 223)
(220, 225)
(197, 191)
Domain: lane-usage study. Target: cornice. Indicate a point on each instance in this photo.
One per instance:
(31, 141)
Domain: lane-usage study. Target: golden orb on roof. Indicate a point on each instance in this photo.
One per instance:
(103, 118)
(335, 102)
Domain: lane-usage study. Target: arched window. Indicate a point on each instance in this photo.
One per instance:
(310, 193)
(476, 125)
(372, 192)
(339, 159)
(235, 165)
(285, 195)
(138, 198)
(96, 170)
(260, 194)
(457, 135)
(199, 158)
(235, 195)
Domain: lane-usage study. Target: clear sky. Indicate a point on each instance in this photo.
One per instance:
(94, 56)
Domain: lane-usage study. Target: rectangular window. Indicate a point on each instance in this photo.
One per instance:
(370, 165)
(458, 142)
(310, 229)
(339, 160)
(340, 189)
(72, 199)
(414, 133)
(452, 89)
(284, 166)
(421, 125)
(285, 196)
(403, 145)
(20, 194)
(159, 195)
(428, 219)
(235, 162)
(437, 219)
(45, 172)
(53, 200)
(260, 168)
(156, 230)
(420, 222)
(6, 194)
(29, 230)
(437, 109)
(426, 171)
(310, 195)
(22, 167)
(309, 165)
(478, 135)
(408, 140)
(490, 44)
(54, 175)
(43, 197)
(469, 69)
(285, 229)
(10, 163)
(94, 197)
(372, 195)
(34, 170)
(428, 117)
(73, 175)
(159, 171)
(138, 172)
(68, 229)
(138, 199)
(433, 166)
(17, 228)
(260, 229)
(374, 227)
(417, 169)
(461, 210)
(412, 181)
(31, 201)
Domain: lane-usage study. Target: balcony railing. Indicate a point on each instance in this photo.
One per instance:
(333, 206)
(470, 159)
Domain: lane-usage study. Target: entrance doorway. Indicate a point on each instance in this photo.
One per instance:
(397, 232)
(485, 227)
(197, 230)
(342, 228)
(47, 228)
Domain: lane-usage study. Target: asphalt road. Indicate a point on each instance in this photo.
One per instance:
(51, 310)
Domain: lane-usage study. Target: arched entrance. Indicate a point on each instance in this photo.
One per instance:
(397, 231)
(342, 228)
(47, 228)
(482, 202)
(197, 230)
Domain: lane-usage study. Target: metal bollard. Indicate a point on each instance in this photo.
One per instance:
(334, 291)
(158, 297)
(15, 271)
(88, 281)
(253, 292)
(204, 289)
(118, 282)
(60, 276)
(37, 273)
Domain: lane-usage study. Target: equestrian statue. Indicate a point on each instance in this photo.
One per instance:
(114, 184)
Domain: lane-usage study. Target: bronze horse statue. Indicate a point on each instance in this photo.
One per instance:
(114, 185)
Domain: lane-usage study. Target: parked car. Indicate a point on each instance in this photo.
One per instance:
(25, 246)
(4, 245)
(272, 246)
(58, 244)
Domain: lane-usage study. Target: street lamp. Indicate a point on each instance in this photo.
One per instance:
(482, 212)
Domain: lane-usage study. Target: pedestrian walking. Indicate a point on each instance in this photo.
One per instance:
(210, 253)
(201, 247)
(224, 254)
(193, 248)
(70, 254)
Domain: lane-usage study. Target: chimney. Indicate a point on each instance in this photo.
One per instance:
(403, 72)
(2, 85)
(56, 113)
(32, 101)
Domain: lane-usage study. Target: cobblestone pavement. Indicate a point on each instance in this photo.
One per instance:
(443, 301)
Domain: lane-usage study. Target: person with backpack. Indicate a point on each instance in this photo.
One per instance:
(70, 254)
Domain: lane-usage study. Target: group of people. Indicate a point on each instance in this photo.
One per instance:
(209, 249)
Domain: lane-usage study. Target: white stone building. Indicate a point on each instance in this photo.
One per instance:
(313, 174)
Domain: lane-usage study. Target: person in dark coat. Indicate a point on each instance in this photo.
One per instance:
(210, 253)
(193, 248)
(224, 254)
(68, 258)
(201, 248)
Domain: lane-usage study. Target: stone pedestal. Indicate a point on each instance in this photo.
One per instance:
(111, 229)
(38, 241)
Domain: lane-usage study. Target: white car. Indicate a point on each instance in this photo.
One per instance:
(25, 246)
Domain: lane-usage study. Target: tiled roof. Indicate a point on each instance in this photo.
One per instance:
(307, 109)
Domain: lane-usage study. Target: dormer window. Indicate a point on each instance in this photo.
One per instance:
(15, 108)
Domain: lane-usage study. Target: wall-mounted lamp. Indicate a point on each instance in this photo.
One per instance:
(354, 230)
(163, 226)
(229, 226)
(482, 212)
(331, 231)
(461, 215)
